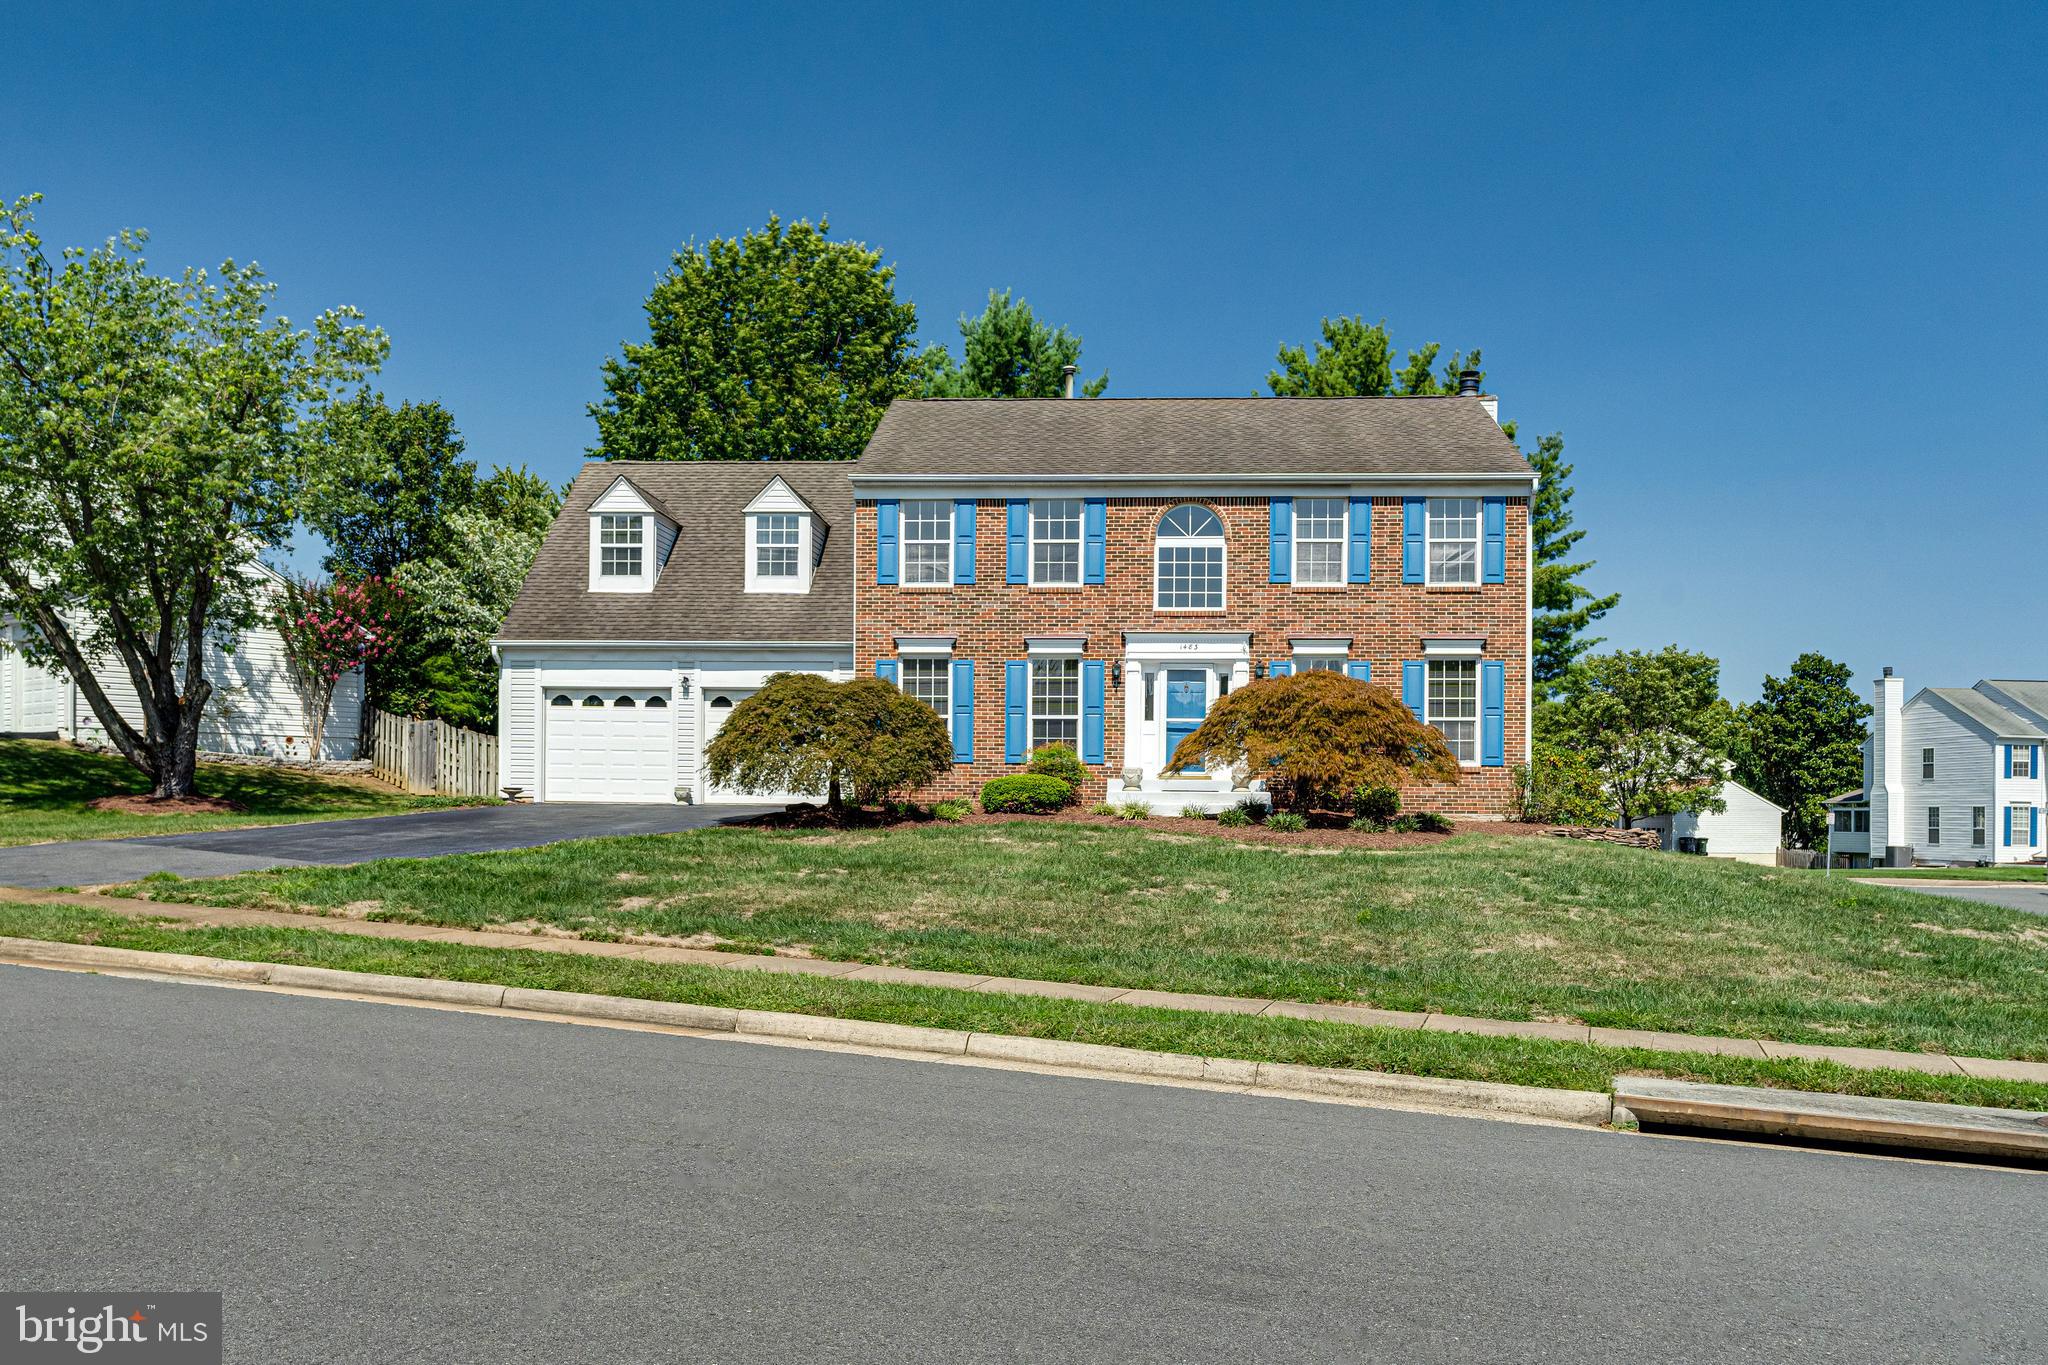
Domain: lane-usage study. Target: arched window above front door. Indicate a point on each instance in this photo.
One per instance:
(1188, 560)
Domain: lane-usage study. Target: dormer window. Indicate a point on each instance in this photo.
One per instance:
(621, 546)
(778, 543)
(782, 540)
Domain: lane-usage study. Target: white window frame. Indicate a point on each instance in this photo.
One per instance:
(2023, 761)
(1436, 712)
(924, 513)
(1934, 826)
(1037, 706)
(927, 665)
(1927, 765)
(1979, 826)
(1339, 542)
(1218, 542)
(632, 524)
(798, 582)
(1043, 512)
(2022, 822)
(1442, 511)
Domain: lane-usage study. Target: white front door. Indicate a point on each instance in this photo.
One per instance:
(610, 744)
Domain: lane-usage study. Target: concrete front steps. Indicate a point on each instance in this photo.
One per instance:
(1174, 795)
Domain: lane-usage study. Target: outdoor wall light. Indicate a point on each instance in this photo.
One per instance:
(682, 689)
(1258, 670)
(1116, 673)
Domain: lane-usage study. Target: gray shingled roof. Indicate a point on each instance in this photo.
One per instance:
(701, 591)
(1183, 437)
(2028, 692)
(1986, 712)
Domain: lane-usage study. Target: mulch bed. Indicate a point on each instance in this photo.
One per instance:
(168, 805)
(1316, 836)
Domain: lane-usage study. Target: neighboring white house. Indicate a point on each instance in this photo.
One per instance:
(1951, 776)
(1749, 830)
(665, 593)
(256, 706)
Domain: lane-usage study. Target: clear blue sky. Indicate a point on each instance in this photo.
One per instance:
(1776, 273)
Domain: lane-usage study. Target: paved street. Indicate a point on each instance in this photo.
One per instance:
(424, 834)
(370, 1183)
(2031, 897)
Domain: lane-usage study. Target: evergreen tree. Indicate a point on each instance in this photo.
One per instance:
(1564, 607)
(1801, 743)
(1008, 353)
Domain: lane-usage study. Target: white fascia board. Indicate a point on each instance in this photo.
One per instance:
(1180, 485)
(777, 497)
(621, 496)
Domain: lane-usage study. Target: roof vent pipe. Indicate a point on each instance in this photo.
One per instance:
(1468, 384)
(1067, 373)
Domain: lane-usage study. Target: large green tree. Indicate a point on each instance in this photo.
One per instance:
(778, 344)
(391, 504)
(1801, 743)
(1007, 353)
(1650, 725)
(156, 434)
(454, 604)
(1355, 359)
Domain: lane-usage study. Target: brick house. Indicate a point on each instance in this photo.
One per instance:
(1096, 572)
(1099, 572)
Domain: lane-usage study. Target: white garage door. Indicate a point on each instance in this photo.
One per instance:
(608, 744)
(718, 704)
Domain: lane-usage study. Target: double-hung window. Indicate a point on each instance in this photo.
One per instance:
(778, 546)
(1325, 663)
(1190, 561)
(1927, 765)
(1453, 541)
(1934, 824)
(621, 545)
(1976, 827)
(931, 682)
(1451, 704)
(1055, 542)
(1055, 702)
(2022, 818)
(927, 543)
(1319, 528)
(2022, 761)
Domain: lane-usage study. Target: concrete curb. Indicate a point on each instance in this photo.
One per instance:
(1367, 1087)
(2011, 1133)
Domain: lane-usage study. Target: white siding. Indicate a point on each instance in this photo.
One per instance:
(519, 725)
(2013, 791)
(687, 704)
(1963, 770)
(1748, 831)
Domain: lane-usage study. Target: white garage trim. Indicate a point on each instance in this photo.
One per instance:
(609, 744)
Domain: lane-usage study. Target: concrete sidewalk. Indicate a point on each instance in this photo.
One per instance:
(1860, 1058)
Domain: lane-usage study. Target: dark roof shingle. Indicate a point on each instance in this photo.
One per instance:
(700, 593)
(1188, 437)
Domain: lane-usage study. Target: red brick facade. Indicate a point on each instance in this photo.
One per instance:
(1386, 620)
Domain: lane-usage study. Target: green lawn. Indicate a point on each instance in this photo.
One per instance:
(1510, 928)
(1519, 1061)
(1946, 874)
(46, 787)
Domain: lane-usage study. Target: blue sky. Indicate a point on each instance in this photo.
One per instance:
(1775, 272)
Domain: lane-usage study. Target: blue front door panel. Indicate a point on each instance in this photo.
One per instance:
(1187, 701)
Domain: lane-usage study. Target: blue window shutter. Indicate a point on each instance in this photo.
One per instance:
(1360, 669)
(1494, 547)
(885, 541)
(1412, 686)
(2008, 766)
(1091, 710)
(1018, 560)
(885, 669)
(2008, 826)
(2034, 761)
(1280, 668)
(963, 541)
(1414, 524)
(963, 709)
(1361, 541)
(1280, 541)
(1016, 698)
(1493, 710)
(1094, 539)
(2033, 825)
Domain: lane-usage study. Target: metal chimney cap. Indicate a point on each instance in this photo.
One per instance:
(1468, 384)
(1067, 373)
(1887, 670)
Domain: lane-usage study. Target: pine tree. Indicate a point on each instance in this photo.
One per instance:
(1564, 606)
(1007, 353)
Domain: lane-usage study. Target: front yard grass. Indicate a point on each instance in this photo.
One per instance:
(2007, 873)
(46, 791)
(1569, 1066)
(1500, 927)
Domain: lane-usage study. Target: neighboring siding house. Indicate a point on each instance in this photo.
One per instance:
(1100, 572)
(1951, 776)
(667, 592)
(1749, 830)
(256, 706)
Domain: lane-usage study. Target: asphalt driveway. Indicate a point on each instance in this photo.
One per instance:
(423, 834)
(2031, 897)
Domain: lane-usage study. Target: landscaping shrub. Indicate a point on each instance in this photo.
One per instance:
(1233, 818)
(1023, 793)
(1316, 737)
(1102, 808)
(1376, 803)
(1252, 811)
(1193, 813)
(805, 733)
(1133, 810)
(952, 810)
(1558, 787)
(1287, 821)
(1405, 824)
(1059, 760)
(1361, 825)
(1433, 822)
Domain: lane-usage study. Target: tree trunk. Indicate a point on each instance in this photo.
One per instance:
(833, 802)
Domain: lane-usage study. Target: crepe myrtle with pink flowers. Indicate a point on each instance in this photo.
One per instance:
(329, 630)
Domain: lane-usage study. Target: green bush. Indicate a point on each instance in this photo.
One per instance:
(952, 810)
(1059, 760)
(1287, 821)
(1433, 822)
(1133, 810)
(1102, 808)
(1405, 824)
(1233, 818)
(1253, 811)
(862, 739)
(1361, 825)
(1025, 794)
(1193, 813)
(1376, 803)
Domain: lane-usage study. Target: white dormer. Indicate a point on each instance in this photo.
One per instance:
(782, 540)
(630, 540)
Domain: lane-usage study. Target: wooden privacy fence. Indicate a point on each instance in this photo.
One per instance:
(433, 756)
